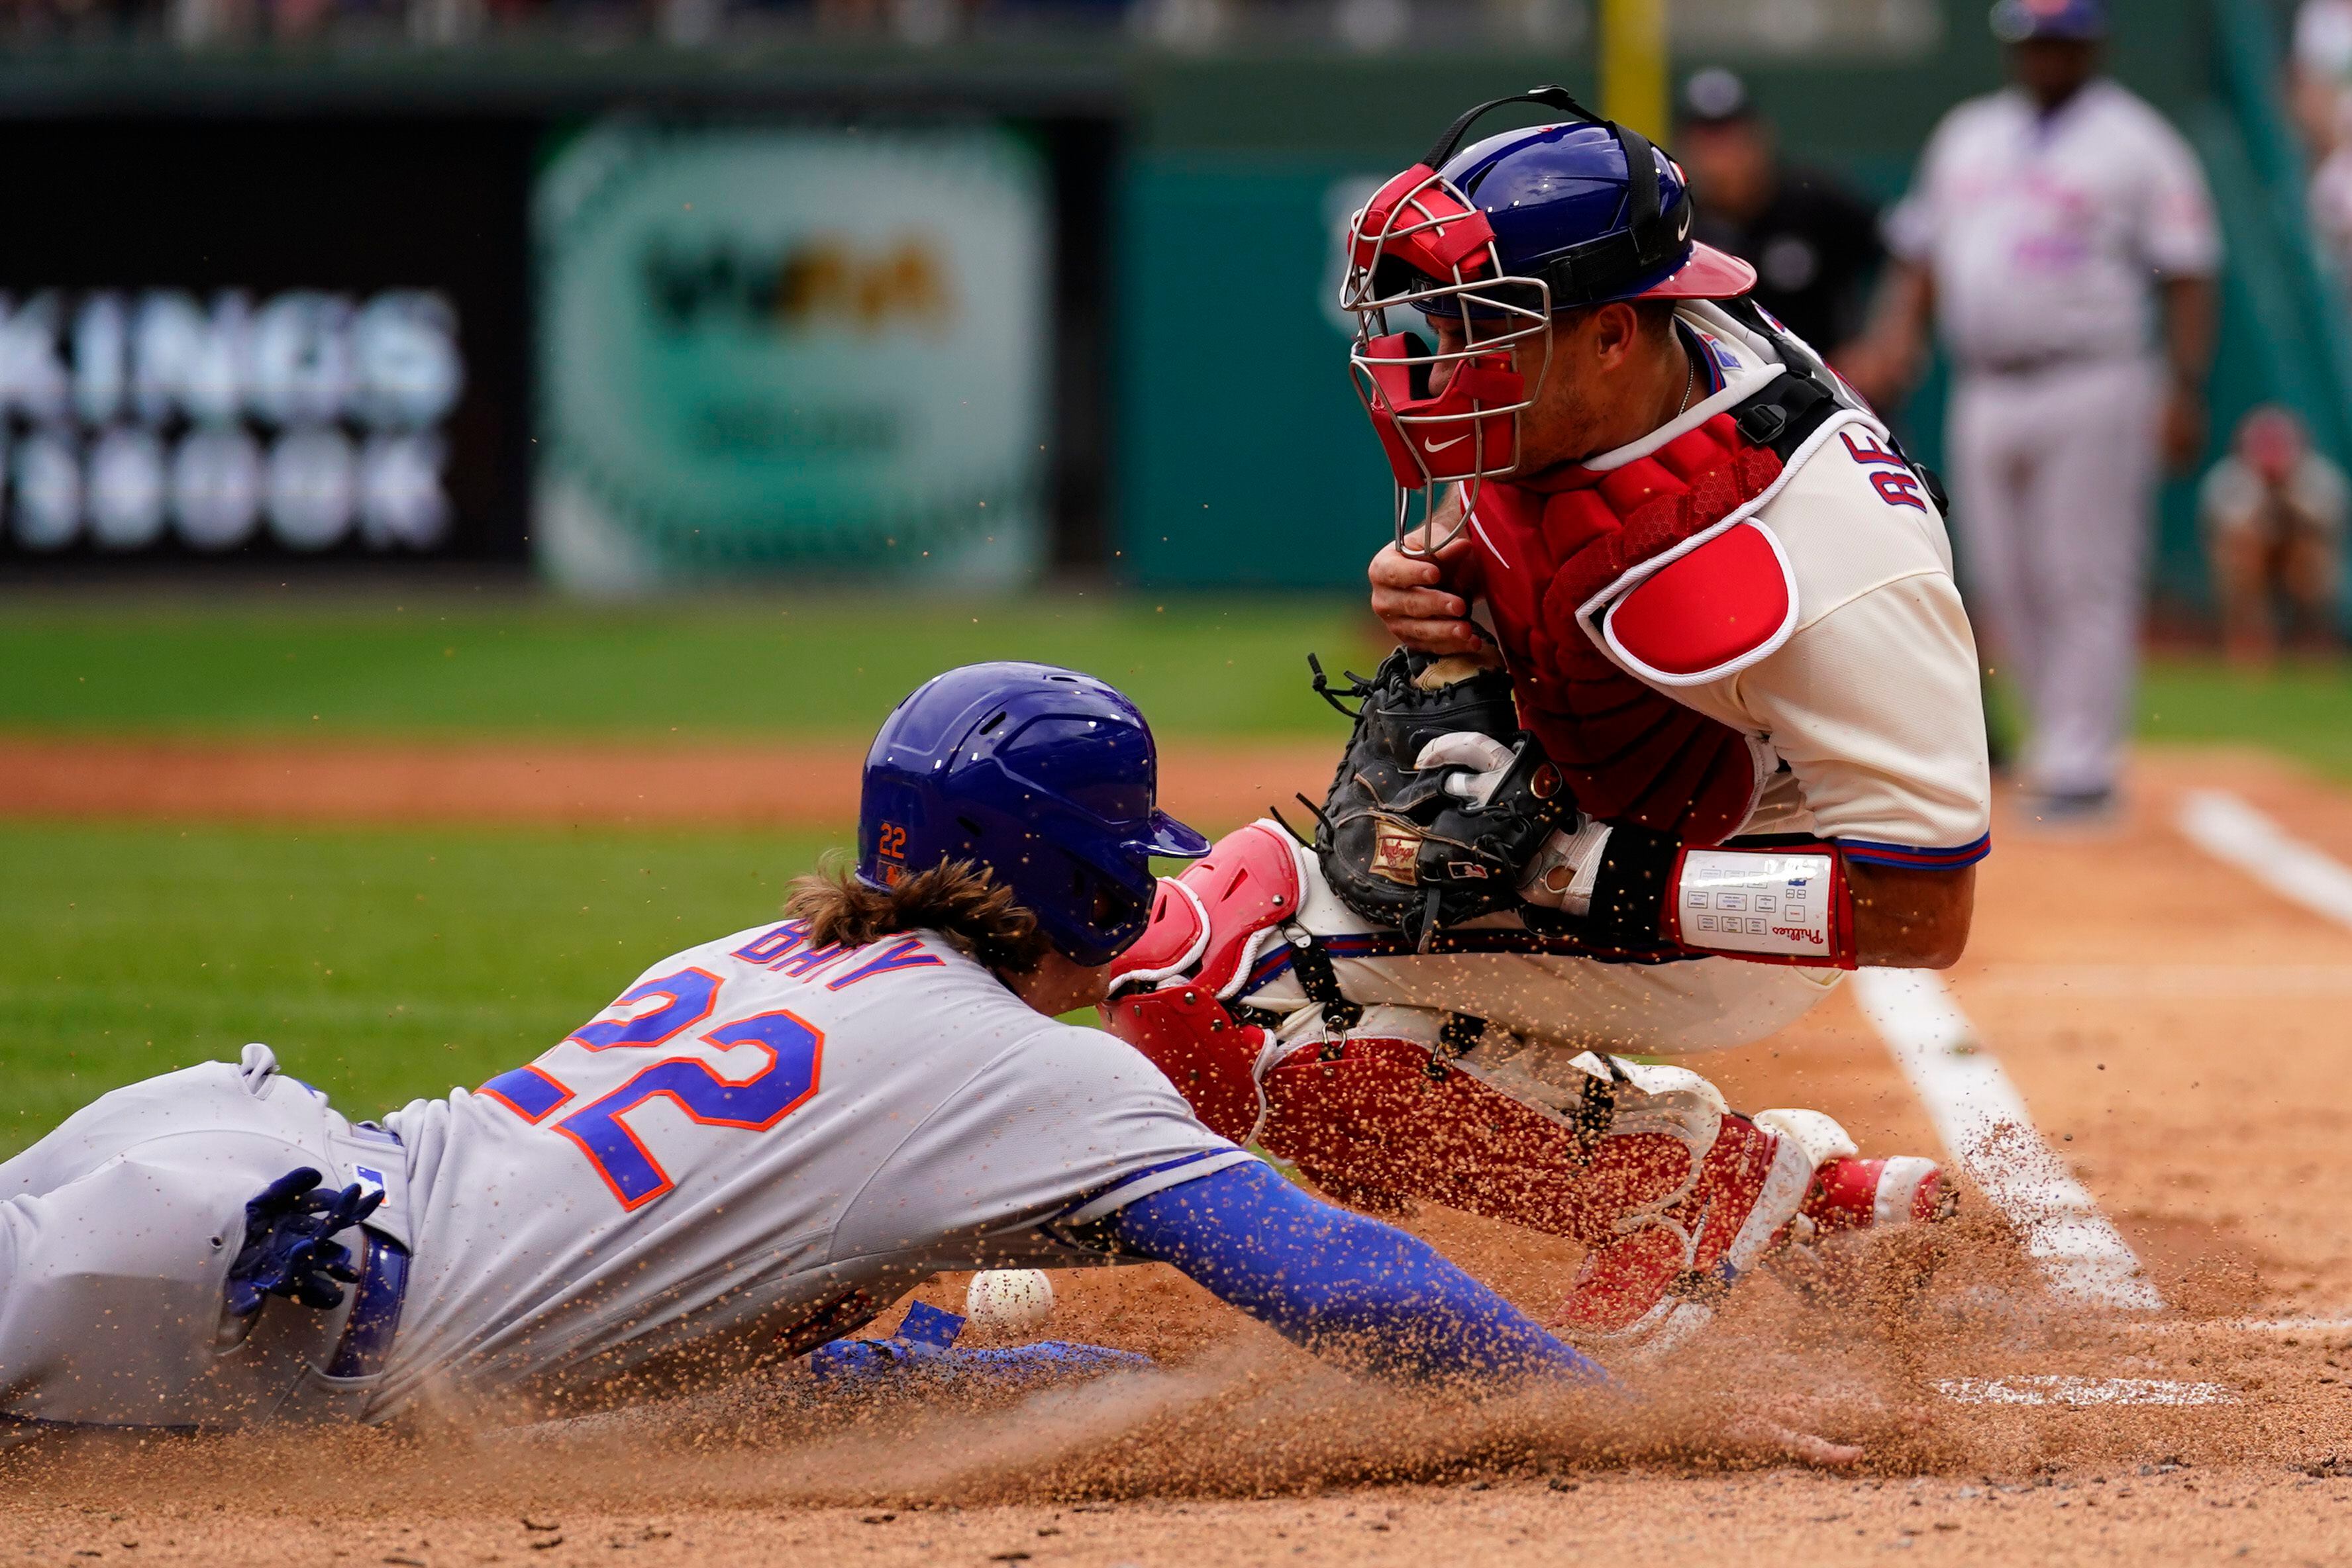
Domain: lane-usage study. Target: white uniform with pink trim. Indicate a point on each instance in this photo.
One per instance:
(2045, 234)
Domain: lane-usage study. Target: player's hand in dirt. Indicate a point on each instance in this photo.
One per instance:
(1804, 1448)
(1412, 597)
(1780, 1425)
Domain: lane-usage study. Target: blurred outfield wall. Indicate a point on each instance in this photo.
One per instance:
(1149, 307)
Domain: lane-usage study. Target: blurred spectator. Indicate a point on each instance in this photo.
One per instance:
(1815, 244)
(2046, 227)
(2320, 81)
(2274, 514)
(2321, 72)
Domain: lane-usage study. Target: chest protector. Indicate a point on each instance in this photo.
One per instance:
(1656, 560)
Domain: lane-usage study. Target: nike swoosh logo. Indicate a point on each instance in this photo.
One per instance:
(1442, 446)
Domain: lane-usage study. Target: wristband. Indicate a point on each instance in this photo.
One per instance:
(1765, 906)
(1771, 906)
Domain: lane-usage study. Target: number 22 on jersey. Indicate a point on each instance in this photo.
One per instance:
(787, 1054)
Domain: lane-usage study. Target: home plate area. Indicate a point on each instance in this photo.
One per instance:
(2134, 1344)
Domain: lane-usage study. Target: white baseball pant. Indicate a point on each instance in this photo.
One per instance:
(2054, 481)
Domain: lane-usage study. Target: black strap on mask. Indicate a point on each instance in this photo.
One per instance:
(1604, 268)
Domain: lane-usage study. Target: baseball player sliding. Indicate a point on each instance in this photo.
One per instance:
(1734, 748)
(764, 1141)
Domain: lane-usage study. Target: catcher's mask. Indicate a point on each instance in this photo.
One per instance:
(1498, 239)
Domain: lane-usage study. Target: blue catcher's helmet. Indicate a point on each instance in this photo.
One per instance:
(1045, 775)
(1500, 238)
(2078, 21)
(1563, 208)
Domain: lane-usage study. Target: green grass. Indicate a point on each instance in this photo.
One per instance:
(381, 965)
(512, 668)
(749, 669)
(385, 965)
(2303, 711)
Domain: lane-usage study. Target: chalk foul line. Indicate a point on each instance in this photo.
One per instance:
(2235, 833)
(1982, 1121)
(2081, 1391)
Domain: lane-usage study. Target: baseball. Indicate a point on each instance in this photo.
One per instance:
(1006, 1303)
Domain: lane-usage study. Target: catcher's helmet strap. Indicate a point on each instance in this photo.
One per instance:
(1597, 268)
(1547, 97)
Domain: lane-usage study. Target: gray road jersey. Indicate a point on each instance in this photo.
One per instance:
(757, 1147)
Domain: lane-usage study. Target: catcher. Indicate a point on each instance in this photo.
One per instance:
(1687, 725)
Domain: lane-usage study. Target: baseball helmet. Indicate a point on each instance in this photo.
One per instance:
(1498, 237)
(1047, 777)
(2083, 21)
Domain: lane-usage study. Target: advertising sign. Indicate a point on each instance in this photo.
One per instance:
(788, 351)
(1247, 459)
(241, 342)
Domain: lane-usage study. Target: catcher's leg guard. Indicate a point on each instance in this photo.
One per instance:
(1656, 1283)
(1572, 1147)
(1771, 1188)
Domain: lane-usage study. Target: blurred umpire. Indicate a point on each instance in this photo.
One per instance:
(1815, 244)
(2061, 234)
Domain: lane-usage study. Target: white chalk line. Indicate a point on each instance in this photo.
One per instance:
(1968, 1095)
(2081, 1391)
(1982, 1120)
(2321, 1326)
(2234, 832)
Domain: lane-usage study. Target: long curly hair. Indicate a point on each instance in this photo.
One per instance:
(961, 899)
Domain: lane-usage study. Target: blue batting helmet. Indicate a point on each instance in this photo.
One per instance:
(1045, 775)
(2016, 21)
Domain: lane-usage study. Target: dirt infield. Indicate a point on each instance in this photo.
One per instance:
(805, 785)
(2178, 1031)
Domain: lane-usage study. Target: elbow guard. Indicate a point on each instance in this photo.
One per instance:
(1789, 906)
(1210, 929)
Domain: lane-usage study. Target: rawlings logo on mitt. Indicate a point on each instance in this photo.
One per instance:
(1440, 798)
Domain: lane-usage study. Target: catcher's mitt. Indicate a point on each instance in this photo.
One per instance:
(1440, 799)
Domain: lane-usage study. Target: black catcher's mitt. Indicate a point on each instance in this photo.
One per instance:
(1398, 845)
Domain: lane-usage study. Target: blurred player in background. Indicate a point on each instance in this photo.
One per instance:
(2320, 72)
(2273, 513)
(1815, 244)
(2320, 89)
(2052, 230)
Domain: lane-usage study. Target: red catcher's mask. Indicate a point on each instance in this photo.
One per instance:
(1420, 245)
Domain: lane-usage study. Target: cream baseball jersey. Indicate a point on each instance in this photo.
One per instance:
(1866, 706)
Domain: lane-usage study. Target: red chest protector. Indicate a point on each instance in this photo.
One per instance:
(1638, 555)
